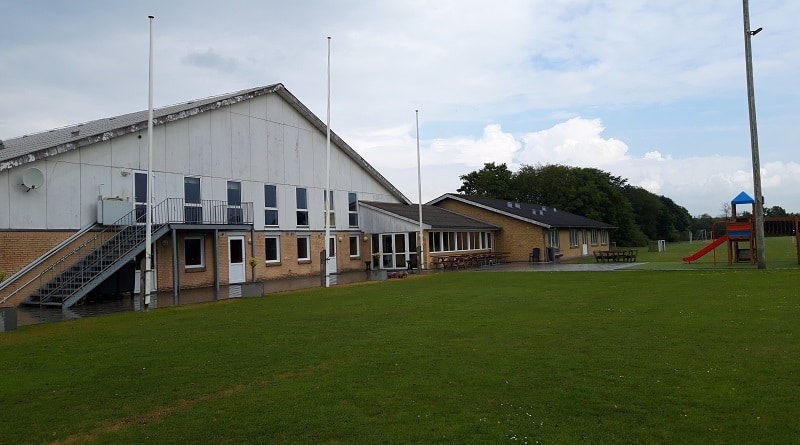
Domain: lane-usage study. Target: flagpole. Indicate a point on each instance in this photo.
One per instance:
(148, 252)
(326, 201)
(421, 244)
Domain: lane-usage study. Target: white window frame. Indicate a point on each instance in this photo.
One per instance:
(269, 208)
(352, 209)
(307, 257)
(300, 210)
(358, 246)
(277, 239)
(573, 237)
(202, 252)
(553, 236)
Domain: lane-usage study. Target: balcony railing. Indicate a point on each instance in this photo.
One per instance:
(176, 210)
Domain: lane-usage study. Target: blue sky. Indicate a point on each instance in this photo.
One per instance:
(651, 91)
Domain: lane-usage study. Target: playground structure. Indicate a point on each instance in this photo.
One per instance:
(740, 234)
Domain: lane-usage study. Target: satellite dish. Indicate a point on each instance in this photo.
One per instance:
(33, 178)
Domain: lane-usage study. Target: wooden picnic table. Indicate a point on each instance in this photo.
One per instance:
(616, 255)
(457, 260)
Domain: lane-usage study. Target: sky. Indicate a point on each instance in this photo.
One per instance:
(652, 91)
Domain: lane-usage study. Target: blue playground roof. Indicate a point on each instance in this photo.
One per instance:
(743, 198)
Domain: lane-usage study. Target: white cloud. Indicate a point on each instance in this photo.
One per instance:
(574, 142)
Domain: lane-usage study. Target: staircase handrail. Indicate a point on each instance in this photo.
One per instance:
(168, 211)
(44, 257)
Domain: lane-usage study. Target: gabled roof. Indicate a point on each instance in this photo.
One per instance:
(432, 216)
(543, 216)
(743, 198)
(24, 149)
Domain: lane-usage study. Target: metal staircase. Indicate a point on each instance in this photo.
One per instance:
(83, 269)
(76, 274)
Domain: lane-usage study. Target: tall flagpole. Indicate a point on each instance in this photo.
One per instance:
(148, 249)
(421, 244)
(328, 176)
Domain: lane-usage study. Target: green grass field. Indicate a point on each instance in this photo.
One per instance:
(465, 357)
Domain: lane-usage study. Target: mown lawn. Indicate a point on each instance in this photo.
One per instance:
(463, 357)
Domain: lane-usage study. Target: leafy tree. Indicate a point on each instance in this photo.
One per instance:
(492, 181)
(775, 212)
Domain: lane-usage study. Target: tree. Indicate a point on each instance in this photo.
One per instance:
(775, 212)
(492, 181)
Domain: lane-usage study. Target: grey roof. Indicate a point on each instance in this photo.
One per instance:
(435, 217)
(21, 150)
(534, 213)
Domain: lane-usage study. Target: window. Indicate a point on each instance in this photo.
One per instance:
(352, 209)
(573, 237)
(354, 247)
(303, 248)
(453, 241)
(273, 249)
(331, 212)
(193, 252)
(235, 203)
(554, 238)
(603, 236)
(270, 205)
(140, 195)
(302, 207)
(594, 237)
(192, 209)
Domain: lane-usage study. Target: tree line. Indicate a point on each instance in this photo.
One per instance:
(638, 214)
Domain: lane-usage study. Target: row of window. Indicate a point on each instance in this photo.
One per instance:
(194, 249)
(455, 241)
(596, 236)
(191, 189)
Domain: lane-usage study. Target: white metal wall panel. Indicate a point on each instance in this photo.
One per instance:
(291, 150)
(63, 188)
(240, 146)
(5, 191)
(125, 150)
(276, 155)
(258, 149)
(90, 177)
(96, 154)
(200, 159)
(221, 144)
(176, 152)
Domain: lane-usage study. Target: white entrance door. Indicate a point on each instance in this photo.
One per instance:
(585, 243)
(331, 261)
(236, 263)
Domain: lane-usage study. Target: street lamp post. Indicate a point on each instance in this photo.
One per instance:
(758, 205)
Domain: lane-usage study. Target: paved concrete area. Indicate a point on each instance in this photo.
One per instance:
(554, 267)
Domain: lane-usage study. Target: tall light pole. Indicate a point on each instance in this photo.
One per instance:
(758, 205)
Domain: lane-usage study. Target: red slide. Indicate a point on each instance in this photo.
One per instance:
(714, 244)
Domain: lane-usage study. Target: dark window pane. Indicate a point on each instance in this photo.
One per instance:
(234, 193)
(270, 196)
(140, 186)
(302, 218)
(352, 202)
(302, 203)
(193, 214)
(236, 250)
(271, 217)
(191, 190)
(272, 249)
(193, 251)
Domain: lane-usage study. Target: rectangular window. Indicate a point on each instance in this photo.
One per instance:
(192, 209)
(302, 207)
(270, 205)
(235, 215)
(273, 249)
(594, 237)
(140, 195)
(573, 237)
(303, 248)
(352, 209)
(355, 250)
(603, 236)
(554, 238)
(331, 212)
(193, 254)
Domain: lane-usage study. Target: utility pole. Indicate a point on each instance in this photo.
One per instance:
(758, 205)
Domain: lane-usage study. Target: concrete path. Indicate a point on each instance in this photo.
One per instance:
(553, 267)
